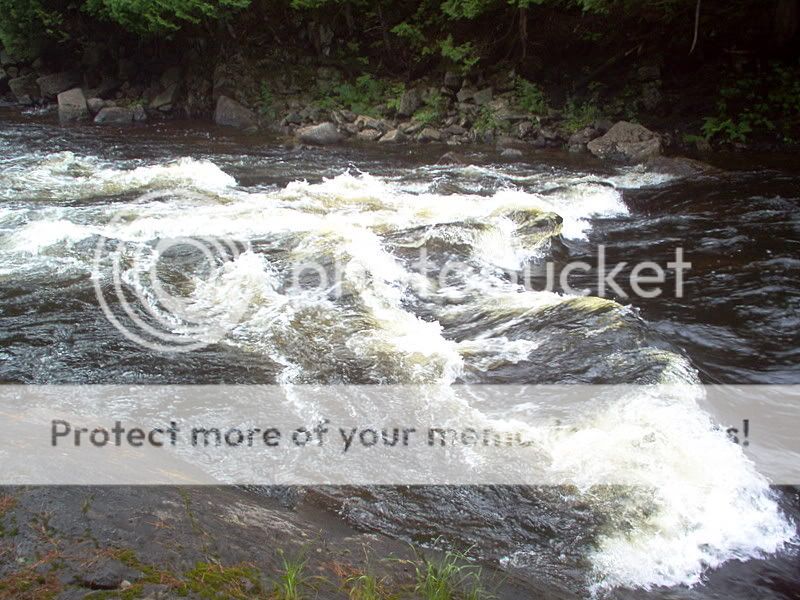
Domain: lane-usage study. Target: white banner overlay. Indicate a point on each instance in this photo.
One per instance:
(398, 435)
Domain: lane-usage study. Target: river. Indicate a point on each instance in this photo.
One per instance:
(370, 210)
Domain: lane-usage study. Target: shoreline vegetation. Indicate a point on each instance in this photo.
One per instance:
(681, 77)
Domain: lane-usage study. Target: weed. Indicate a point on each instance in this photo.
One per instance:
(292, 579)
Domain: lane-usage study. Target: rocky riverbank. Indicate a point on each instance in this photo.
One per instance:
(455, 110)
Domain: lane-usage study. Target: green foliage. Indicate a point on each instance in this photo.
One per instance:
(463, 56)
(24, 26)
(448, 578)
(365, 587)
(486, 121)
(266, 102)
(432, 111)
(362, 96)
(160, 16)
(579, 115)
(757, 105)
(530, 97)
(292, 579)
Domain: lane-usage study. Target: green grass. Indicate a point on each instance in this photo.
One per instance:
(449, 578)
(365, 587)
(292, 579)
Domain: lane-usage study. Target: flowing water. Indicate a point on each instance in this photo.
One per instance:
(367, 214)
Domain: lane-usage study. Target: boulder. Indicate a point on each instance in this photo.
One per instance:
(465, 94)
(369, 135)
(95, 105)
(51, 86)
(483, 96)
(511, 153)
(114, 115)
(452, 81)
(578, 140)
(166, 99)
(139, 114)
(393, 136)
(321, 135)
(409, 103)
(24, 88)
(72, 106)
(525, 129)
(429, 134)
(365, 122)
(230, 113)
(626, 142)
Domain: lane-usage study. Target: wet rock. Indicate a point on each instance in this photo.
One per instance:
(626, 142)
(429, 134)
(321, 135)
(369, 135)
(230, 113)
(95, 105)
(166, 99)
(139, 114)
(108, 574)
(393, 136)
(483, 97)
(51, 86)
(452, 81)
(72, 106)
(511, 153)
(114, 115)
(450, 158)
(578, 140)
(409, 103)
(680, 166)
(25, 89)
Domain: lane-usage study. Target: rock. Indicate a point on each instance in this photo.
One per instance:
(292, 118)
(578, 140)
(429, 134)
(170, 77)
(139, 114)
(106, 89)
(114, 115)
(6, 60)
(395, 135)
(365, 122)
(12, 71)
(166, 99)
(511, 153)
(51, 86)
(72, 106)
(483, 97)
(369, 135)
(452, 81)
(450, 158)
(322, 134)
(108, 574)
(649, 73)
(412, 128)
(125, 584)
(455, 130)
(465, 94)
(409, 103)
(626, 142)
(95, 105)
(230, 113)
(25, 89)
(348, 115)
(651, 95)
(525, 129)
(680, 166)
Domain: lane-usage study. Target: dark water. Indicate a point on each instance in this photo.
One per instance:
(738, 322)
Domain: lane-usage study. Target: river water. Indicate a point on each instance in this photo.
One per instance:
(369, 212)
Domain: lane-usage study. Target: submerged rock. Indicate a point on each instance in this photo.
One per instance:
(72, 106)
(626, 142)
(681, 166)
(230, 113)
(320, 135)
(450, 158)
(114, 115)
(511, 153)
